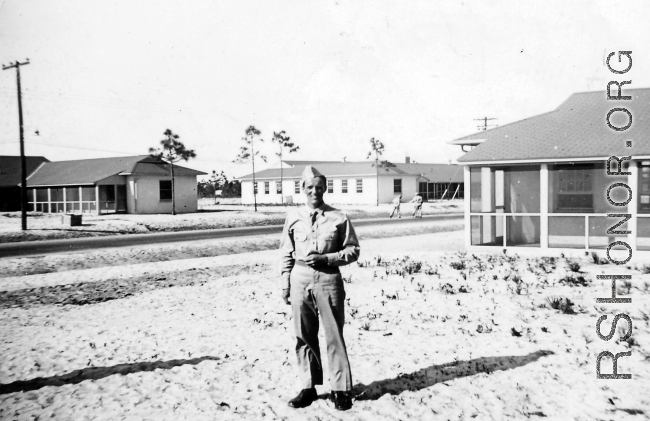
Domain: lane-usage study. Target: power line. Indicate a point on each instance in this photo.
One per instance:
(485, 123)
(100, 150)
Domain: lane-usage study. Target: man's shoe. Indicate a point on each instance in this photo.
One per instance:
(305, 398)
(342, 400)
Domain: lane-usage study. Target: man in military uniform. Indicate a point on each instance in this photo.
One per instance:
(417, 199)
(396, 204)
(316, 240)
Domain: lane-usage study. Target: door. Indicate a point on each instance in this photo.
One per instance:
(120, 205)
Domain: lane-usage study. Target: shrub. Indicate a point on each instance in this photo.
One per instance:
(413, 267)
(520, 285)
(447, 289)
(625, 288)
(548, 260)
(431, 271)
(595, 259)
(573, 281)
(574, 266)
(458, 265)
(560, 303)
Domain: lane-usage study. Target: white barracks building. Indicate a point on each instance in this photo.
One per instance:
(356, 182)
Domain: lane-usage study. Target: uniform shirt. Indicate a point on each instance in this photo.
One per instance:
(331, 234)
(417, 199)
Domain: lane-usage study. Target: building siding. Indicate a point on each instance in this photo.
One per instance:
(368, 196)
(143, 194)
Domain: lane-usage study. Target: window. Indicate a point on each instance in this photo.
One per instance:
(296, 187)
(513, 189)
(644, 187)
(278, 187)
(56, 194)
(255, 187)
(397, 185)
(267, 187)
(165, 190)
(575, 188)
(344, 186)
(88, 193)
(359, 186)
(72, 194)
(330, 186)
(42, 195)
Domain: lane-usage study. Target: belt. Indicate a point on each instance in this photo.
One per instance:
(320, 268)
(302, 263)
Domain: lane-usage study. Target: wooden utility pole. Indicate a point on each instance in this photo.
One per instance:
(23, 163)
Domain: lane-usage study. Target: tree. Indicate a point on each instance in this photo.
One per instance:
(283, 142)
(378, 148)
(204, 189)
(172, 151)
(218, 182)
(247, 152)
(232, 189)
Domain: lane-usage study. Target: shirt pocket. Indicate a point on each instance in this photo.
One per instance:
(299, 235)
(330, 237)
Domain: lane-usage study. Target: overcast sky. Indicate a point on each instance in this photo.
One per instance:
(107, 78)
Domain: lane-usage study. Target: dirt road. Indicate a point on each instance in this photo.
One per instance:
(77, 244)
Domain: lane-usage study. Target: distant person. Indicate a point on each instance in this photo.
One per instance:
(396, 204)
(417, 199)
(315, 241)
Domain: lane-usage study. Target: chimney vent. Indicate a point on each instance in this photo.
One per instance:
(408, 160)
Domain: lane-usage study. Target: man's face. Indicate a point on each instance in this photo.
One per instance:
(314, 190)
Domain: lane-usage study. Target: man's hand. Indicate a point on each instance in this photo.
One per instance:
(314, 260)
(286, 293)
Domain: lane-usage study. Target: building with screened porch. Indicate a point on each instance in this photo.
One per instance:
(543, 181)
(133, 184)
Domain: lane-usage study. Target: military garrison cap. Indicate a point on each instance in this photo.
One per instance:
(309, 173)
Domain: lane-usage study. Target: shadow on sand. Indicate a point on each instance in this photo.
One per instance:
(434, 374)
(95, 373)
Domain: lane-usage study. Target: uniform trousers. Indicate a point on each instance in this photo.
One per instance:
(418, 209)
(315, 291)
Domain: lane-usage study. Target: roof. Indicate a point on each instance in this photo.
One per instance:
(434, 172)
(294, 163)
(90, 171)
(10, 168)
(575, 129)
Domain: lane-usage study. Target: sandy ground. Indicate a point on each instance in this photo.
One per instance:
(49, 227)
(460, 337)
